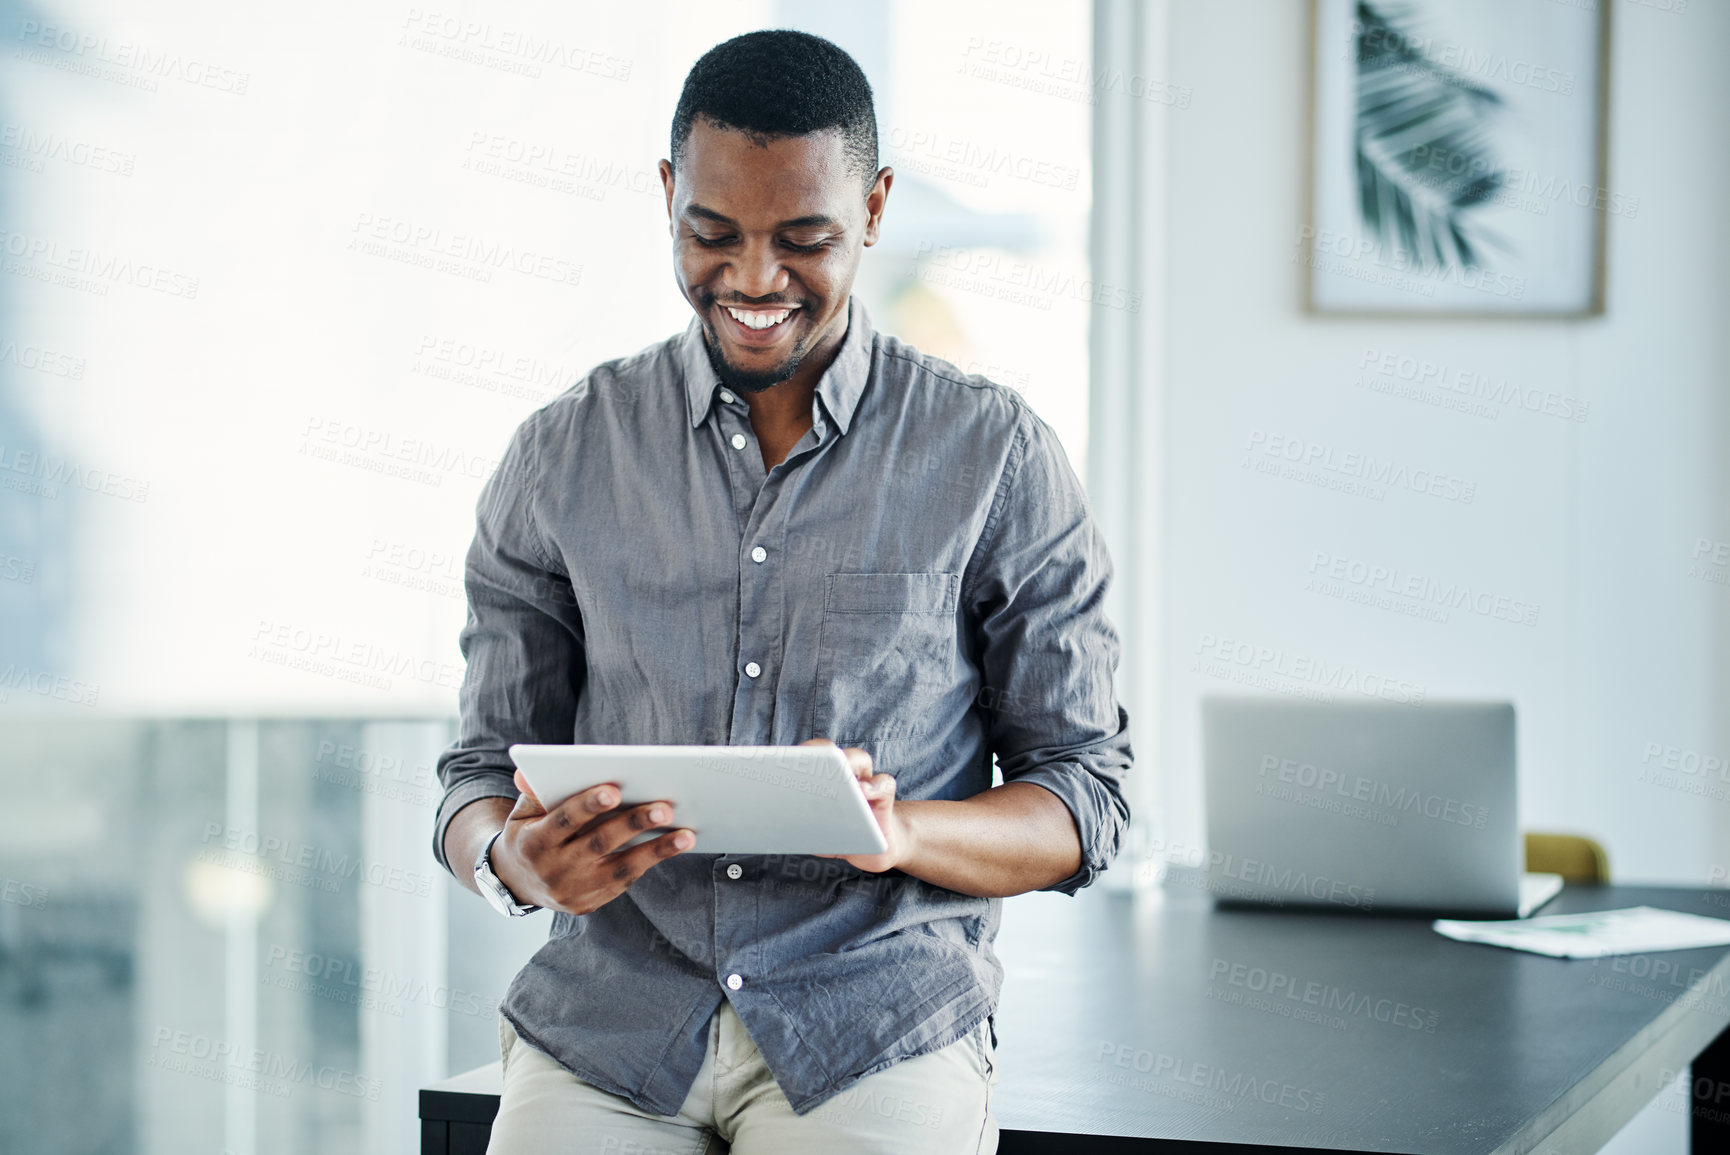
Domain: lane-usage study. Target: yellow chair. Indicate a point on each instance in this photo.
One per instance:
(1577, 859)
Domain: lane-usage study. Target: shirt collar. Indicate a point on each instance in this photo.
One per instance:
(839, 388)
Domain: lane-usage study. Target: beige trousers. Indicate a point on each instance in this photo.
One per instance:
(936, 1102)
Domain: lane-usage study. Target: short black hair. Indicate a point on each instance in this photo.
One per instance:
(777, 83)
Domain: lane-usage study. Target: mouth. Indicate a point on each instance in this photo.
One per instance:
(757, 326)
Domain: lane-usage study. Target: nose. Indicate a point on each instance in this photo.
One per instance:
(756, 272)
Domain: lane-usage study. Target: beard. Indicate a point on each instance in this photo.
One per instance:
(750, 380)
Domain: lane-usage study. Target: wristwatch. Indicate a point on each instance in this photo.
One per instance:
(494, 891)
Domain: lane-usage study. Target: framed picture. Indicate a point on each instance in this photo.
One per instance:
(1459, 158)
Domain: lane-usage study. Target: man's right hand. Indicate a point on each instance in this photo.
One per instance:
(569, 859)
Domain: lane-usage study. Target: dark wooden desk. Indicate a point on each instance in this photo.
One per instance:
(1150, 1023)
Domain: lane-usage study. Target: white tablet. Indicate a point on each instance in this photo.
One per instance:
(738, 799)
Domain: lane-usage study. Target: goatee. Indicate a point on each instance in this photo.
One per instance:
(749, 380)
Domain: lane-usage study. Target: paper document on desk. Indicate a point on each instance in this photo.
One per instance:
(1593, 934)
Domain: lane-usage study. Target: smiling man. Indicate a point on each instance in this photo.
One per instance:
(779, 527)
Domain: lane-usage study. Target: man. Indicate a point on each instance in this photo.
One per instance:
(779, 527)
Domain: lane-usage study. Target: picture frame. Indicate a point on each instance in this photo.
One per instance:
(1459, 159)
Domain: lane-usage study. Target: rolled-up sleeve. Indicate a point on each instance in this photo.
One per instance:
(1036, 586)
(522, 641)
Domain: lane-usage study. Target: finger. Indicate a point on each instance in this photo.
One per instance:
(879, 787)
(628, 866)
(527, 805)
(614, 832)
(858, 761)
(576, 813)
(522, 784)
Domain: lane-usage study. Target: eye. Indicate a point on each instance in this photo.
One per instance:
(806, 248)
(710, 242)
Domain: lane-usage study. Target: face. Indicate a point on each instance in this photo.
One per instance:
(766, 242)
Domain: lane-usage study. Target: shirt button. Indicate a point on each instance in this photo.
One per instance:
(734, 982)
(752, 669)
(738, 441)
(759, 554)
(735, 871)
(726, 396)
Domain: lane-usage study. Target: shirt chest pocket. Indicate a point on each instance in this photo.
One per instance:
(886, 653)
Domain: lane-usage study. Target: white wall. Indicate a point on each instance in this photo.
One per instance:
(315, 422)
(1594, 522)
(297, 416)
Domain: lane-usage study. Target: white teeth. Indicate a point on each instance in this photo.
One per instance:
(758, 320)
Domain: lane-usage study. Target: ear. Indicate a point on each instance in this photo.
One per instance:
(874, 202)
(666, 169)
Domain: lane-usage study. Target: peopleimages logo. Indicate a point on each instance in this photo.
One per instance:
(1358, 788)
(316, 651)
(785, 777)
(23, 894)
(1227, 1087)
(42, 360)
(1276, 668)
(468, 254)
(41, 144)
(1471, 384)
(235, 846)
(510, 49)
(343, 980)
(85, 267)
(1037, 69)
(1710, 561)
(1664, 756)
(387, 452)
(88, 51)
(1361, 468)
(493, 370)
(1023, 282)
(1404, 268)
(40, 474)
(1424, 53)
(61, 687)
(966, 159)
(1229, 876)
(1277, 985)
(1421, 591)
(272, 1072)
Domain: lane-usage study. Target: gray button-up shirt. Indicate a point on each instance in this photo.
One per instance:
(921, 577)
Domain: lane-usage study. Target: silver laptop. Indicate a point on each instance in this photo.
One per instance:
(1369, 806)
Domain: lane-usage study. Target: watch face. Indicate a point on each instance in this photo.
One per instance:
(490, 887)
(494, 898)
